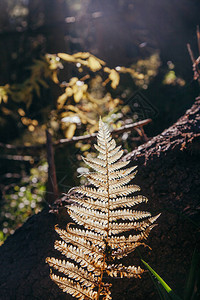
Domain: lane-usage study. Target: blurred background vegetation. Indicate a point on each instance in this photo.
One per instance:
(65, 62)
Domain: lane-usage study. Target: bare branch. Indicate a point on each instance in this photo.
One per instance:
(191, 53)
(75, 139)
(195, 62)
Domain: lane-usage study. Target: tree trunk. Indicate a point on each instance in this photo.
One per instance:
(169, 166)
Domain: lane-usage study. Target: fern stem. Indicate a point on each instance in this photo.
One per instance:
(106, 242)
(101, 277)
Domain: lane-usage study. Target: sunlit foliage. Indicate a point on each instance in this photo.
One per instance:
(92, 91)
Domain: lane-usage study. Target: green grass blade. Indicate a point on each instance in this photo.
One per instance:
(157, 286)
(167, 288)
(193, 278)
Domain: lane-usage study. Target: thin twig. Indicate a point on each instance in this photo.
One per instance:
(75, 139)
(198, 38)
(117, 131)
(191, 53)
(194, 63)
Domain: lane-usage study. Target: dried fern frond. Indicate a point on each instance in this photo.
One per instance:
(102, 213)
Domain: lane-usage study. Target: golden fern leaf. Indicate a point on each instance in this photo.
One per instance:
(89, 235)
(75, 240)
(127, 201)
(90, 203)
(75, 289)
(122, 271)
(101, 212)
(72, 271)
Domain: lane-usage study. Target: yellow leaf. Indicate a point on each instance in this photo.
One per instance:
(83, 55)
(21, 112)
(31, 128)
(74, 89)
(69, 133)
(73, 80)
(6, 111)
(140, 76)
(96, 100)
(5, 98)
(127, 70)
(115, 78)
(34, 122)
(72, 107)
(85, 147)
(61, 100)
(81, 114)
(78, 96)
(84, 88)
(82, 62)
(94, 64)
(107, 70)
(66, 57)
(55, 77)
(69, 91)
(78, 92)
(66, 114)
(101, 61)
(87, 55)
(71, 58)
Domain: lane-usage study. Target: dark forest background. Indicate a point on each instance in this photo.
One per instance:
(63, 63)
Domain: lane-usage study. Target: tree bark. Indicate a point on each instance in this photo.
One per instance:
(169, 166)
